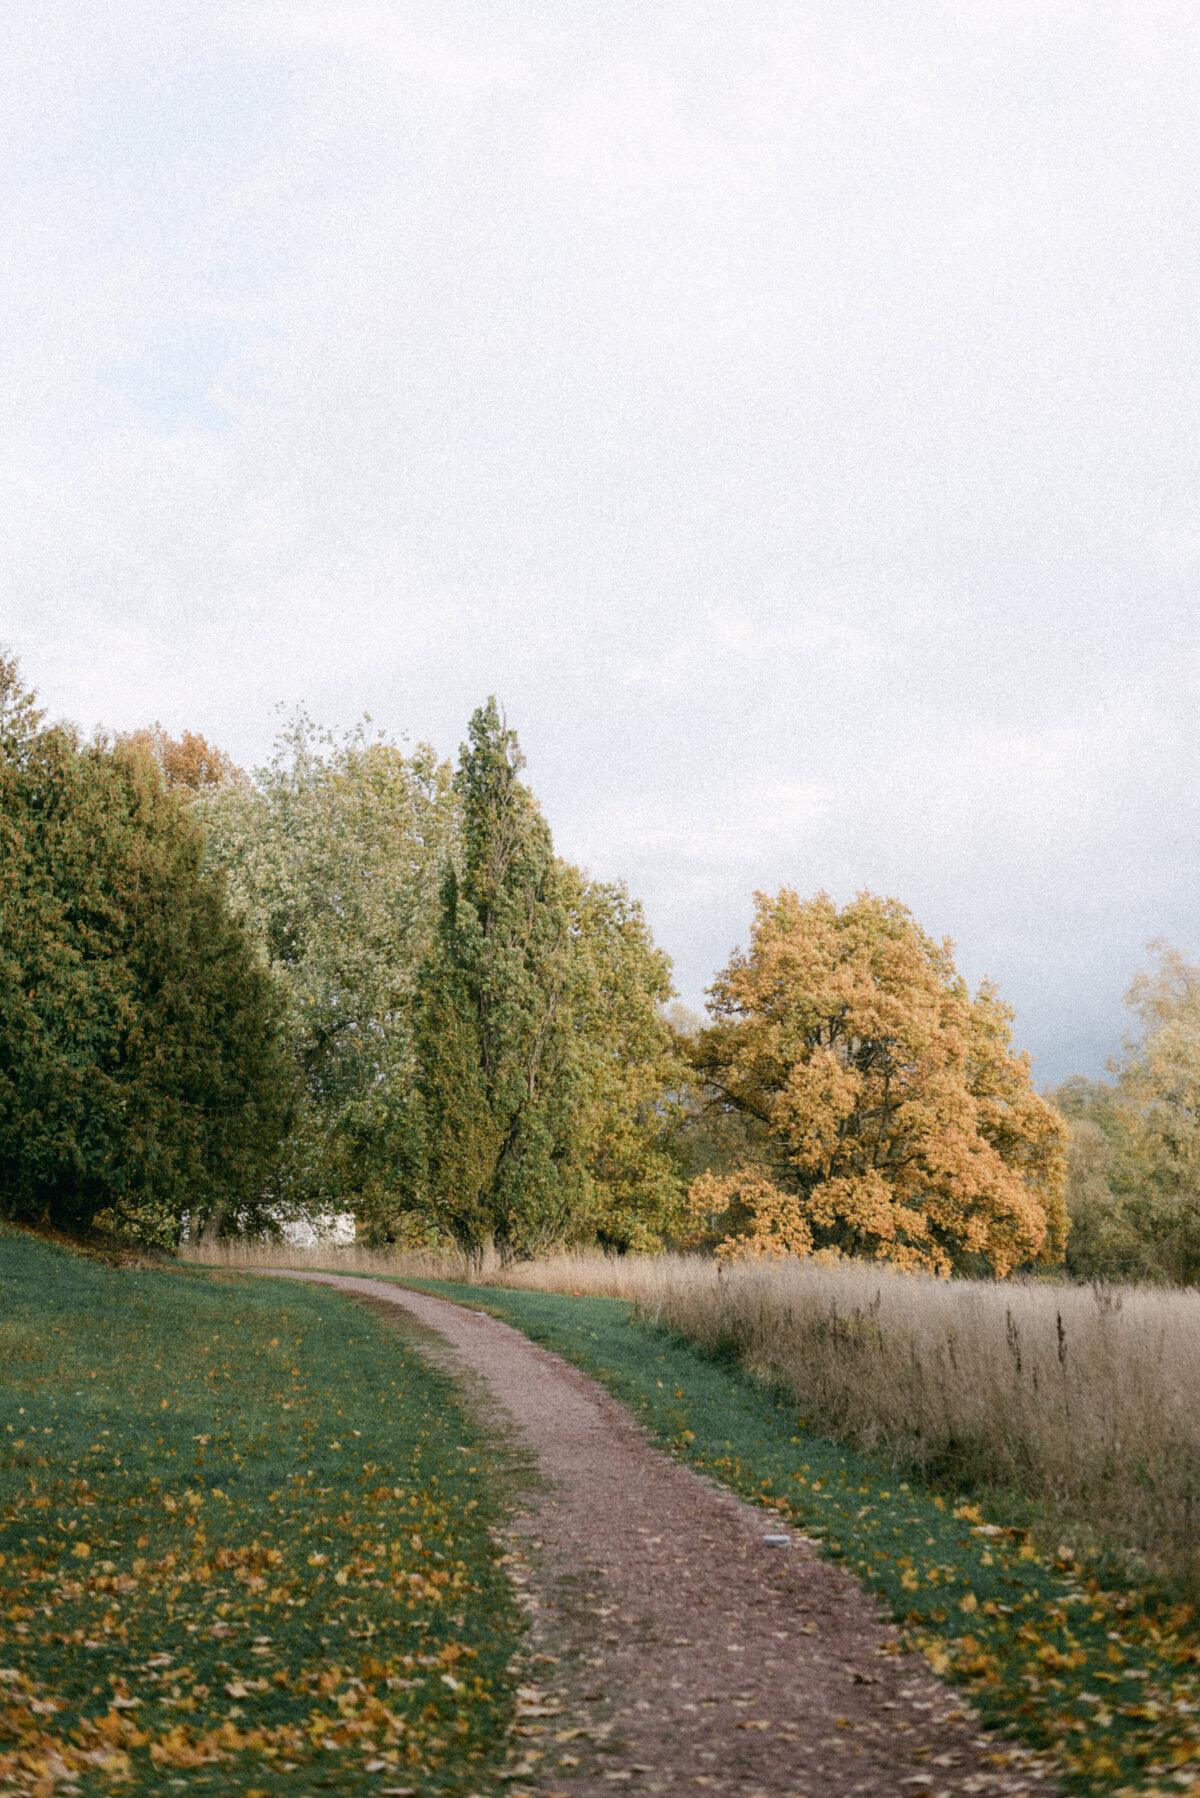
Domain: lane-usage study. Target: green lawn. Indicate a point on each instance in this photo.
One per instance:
(244, 1543)
(1106, 1679)
(244, 1546)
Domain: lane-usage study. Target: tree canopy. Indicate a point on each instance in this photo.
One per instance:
(889, 1116)
(358, 980)
(635, 1080)
(189, 763)
(543, 1063)
(334, 853)
(474, 1024)
(141, 1073)
(1134, 1181)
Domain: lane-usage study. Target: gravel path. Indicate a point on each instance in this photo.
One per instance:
(673, 1650)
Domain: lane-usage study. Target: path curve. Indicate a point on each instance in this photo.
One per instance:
(672, 1649)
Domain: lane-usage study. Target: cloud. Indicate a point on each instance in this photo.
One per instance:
(789, 413)
(376, 38)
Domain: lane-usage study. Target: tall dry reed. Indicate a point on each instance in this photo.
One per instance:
(1086, 1399)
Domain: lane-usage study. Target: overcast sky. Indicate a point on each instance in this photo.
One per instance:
(788, 410)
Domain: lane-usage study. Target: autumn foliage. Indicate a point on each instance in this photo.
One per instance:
(189, 763)
(356, 981)
(891, 1117)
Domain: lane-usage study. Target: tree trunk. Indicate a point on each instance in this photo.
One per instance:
(210, 1234)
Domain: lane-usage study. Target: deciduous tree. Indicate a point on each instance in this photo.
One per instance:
(890, 1116)
(1134, 1186)
(334, 853)
(635, 1081)
(188, 763)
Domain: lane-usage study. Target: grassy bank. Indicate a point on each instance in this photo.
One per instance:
(243, 1543)
(1082, 1400)
(1104, 1679)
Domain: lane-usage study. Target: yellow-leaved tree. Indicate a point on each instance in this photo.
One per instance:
(890, 1116)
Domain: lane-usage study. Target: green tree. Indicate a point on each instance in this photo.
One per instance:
(499, 1071)
(635, 1085)
(547, 1076)
(141, 1075)
(1134, 1169)
(334, 853)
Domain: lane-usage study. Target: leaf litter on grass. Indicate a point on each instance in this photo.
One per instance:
(1103, 1677)
(240, 1541)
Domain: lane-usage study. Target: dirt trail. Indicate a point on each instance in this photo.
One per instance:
(672, 1650)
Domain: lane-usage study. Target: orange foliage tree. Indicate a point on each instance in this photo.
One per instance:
(188, 763)
(892, 1118)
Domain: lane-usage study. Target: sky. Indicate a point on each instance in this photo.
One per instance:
(790, 412)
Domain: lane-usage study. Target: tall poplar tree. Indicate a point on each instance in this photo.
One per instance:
(499, 1075)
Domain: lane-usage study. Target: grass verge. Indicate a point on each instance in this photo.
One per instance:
(1105, 1679)
(244, 1543)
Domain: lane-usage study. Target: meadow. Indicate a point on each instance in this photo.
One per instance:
(1104, 1680)
(245, 1529)
(1080, 1401)
(244, 1543)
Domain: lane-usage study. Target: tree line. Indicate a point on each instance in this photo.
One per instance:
(362, 980)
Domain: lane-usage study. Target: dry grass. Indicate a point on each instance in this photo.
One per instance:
(1086, 1399)
(246, 1253)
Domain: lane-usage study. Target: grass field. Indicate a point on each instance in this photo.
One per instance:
(1082, 1400)
(1105, 1679)
(244, 1543)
